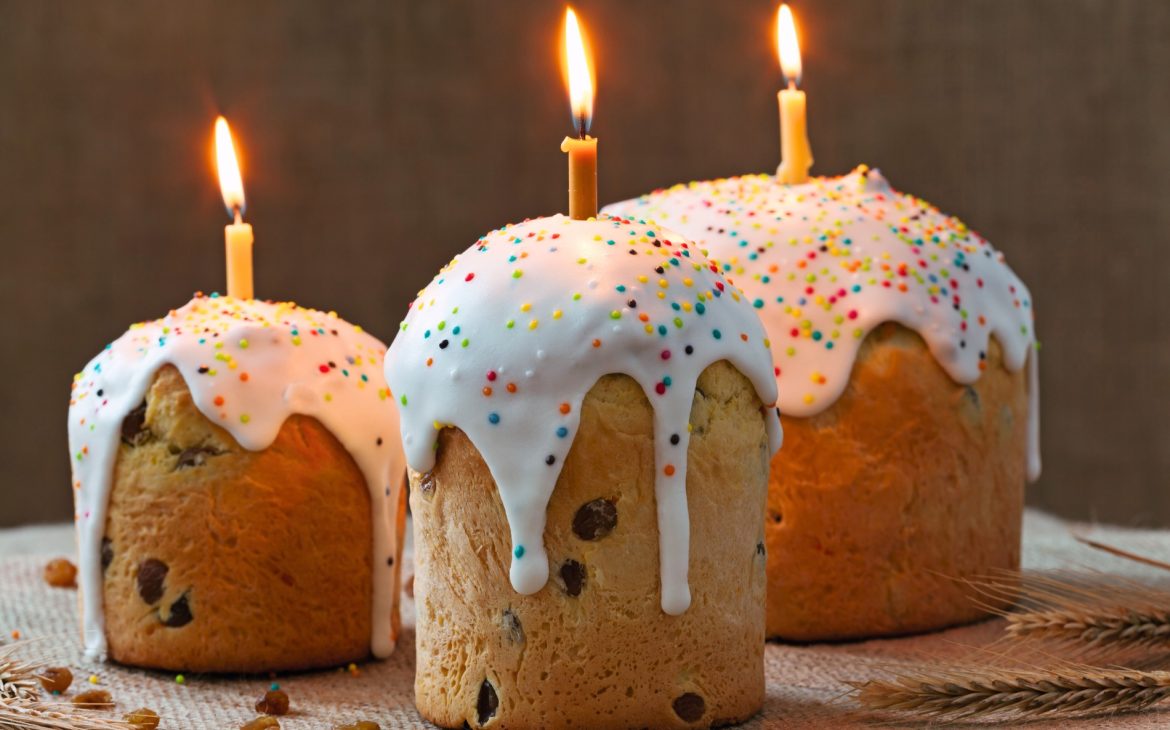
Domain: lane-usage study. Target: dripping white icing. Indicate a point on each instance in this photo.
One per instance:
(266, 361)
(510, 336)
(826, 261)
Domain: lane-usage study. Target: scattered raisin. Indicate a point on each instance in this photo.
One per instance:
(94, 699)
(107, 552)
(180, 613)
(360, 725)
(134, 430)
(488, 702)
(594, 520)
(194, 456)
(760, 549)
(261, 723)
(152, 575)
(512, 628)
(61, 573)
(144, 718)
(55, 679)
(689, 707)
(573, 577)
(274, 702)
(426, 484)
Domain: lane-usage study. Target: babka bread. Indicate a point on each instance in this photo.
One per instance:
(587, 412)
(900, 340)
(238, 479)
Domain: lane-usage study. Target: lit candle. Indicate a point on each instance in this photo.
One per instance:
(238, 234)
(795, 152)
(582, 150)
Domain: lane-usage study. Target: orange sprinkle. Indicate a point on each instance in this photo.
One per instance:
(597, 343)
(244, 377)
(511, 387)
(743, 336)
(430, 361)
(644, 317)
(487, 391)
(669, 470)
(16, 634)
(219, 400)
(565, 408)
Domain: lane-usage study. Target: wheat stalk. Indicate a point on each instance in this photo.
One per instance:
(1110, 614)
(34, 715)
(1066, 690)
(17, 678)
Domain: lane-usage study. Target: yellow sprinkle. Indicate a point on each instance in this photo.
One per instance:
(557, 314)
(808, 398)
(93, 679)
(688, 282)
(663, 283)
(525, 306)
(328, 397)
(533, 324)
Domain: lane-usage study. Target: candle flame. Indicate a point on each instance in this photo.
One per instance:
(580, 74)
(788, 46)
(231, 185)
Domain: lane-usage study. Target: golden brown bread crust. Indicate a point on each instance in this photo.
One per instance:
(906, 483)
(226, 560)
(607, 657)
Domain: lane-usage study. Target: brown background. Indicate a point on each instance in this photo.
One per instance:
(380, 138)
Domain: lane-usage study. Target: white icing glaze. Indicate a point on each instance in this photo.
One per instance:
(249, 366)
(510, 336)
(826, 261)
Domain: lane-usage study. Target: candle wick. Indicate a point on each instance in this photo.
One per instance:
(792, 84)
(239, 216)
(581, 127)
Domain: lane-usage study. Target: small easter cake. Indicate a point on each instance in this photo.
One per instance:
(906, 363)
(587, 412)
(238, 479)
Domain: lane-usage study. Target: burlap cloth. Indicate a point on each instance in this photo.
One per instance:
(804, 682)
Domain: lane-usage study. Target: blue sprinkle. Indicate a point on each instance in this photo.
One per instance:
(666, 381)
(718, 334)
(758, 304)
(562, 432)
(817, 336)
(518, 552)
(662, 330)
(700, 308)
(493, 418)
(426, 334)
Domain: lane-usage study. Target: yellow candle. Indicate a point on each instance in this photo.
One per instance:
(237, 238)
(795, 152)
(582, 176)
(237, 235)
(582, 150)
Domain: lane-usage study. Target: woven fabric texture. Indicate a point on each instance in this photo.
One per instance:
(805, 683)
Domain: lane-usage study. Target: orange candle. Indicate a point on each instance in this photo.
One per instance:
(795, 152)
(582, 149)
(238, 234)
